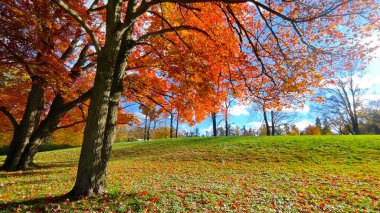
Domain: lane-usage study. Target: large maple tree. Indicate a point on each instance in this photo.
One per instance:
(43, 62)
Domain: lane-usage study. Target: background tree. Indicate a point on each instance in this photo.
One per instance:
(370, 123)
(343, 102)
(312, 130)
(326, 130)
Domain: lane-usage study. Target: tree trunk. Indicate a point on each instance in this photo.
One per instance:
(146, 127)
(273, 124)
(110, 130)
(214, 129)
(30, 151)
(99, 132)
(154, 124)
(24, 130)
(42, 133)
(355, 126)
(90, 179)
(171, 124)
(45, 130)
(176, 129)
(226, 125)
(148, 131)
(266, 122)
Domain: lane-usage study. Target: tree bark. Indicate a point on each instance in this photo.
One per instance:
(24, 130)
(89, 179)
(45, 130)
(99, 132)
(110, 129)
(214, 128)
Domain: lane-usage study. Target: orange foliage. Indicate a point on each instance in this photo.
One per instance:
(69, 136)
(312, 130)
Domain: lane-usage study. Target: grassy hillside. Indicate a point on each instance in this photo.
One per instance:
(324, 173)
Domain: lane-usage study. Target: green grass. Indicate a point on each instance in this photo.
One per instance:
(287, 174)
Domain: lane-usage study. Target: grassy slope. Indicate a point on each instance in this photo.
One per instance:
(327, 173)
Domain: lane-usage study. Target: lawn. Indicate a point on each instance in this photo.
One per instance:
(287, 174)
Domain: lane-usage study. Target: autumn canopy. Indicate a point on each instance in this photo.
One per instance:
(184, 56)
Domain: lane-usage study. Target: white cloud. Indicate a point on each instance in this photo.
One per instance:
(304, 109)
(238, 110)
(254, 124)
(367, 81)
(371, 97)
(139, 116)
(372, 41)
(303, 124)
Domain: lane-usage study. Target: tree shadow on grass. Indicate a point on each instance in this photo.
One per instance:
(54, 165)
(37, 169)
(26, 182)
(42, 166)
(63, 203)
(34, 205)
(45, 147)
(23, 173)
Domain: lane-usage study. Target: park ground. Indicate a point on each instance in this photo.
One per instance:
(223, 174)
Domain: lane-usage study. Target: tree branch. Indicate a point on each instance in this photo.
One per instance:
(79, 19)
(10, 116)
(173, 29)
(145, 6)
(85, 96)
(69, 125)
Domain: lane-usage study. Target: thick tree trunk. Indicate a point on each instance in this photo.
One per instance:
(43, 132)
(99, 132)
(214, 128)
(89, 176)
(266, 122)
(110, 132)
(272, 121)
(30, 151)
(110, 129)
(24, 130)
(355, 126)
